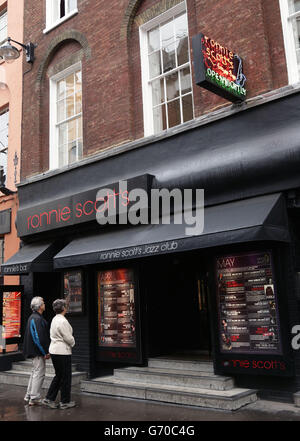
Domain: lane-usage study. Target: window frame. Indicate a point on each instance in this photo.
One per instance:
(4, 149)
(146, 82)
(50, 24)
(2, 13)
(53, 124)
(289, 41)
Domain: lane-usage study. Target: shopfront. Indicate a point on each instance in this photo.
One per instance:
(137, 291)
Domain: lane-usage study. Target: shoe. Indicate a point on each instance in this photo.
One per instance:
(26, 399)
(35, 402)
(50, 403)
(67, 405)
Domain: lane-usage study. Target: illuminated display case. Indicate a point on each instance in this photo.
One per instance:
(116, 308)
(11, 317)
(248, 311)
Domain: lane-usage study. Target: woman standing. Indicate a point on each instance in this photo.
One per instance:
(62, 341)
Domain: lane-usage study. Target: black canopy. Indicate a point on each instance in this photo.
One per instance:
(253, 219)
(35, 257)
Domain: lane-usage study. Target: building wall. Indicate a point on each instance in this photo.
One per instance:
(11, 96)
(107, 35)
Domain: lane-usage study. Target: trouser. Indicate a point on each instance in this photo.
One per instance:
(62, 380)
(36, 378)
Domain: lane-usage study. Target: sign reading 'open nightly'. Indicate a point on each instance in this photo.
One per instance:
(218, 69)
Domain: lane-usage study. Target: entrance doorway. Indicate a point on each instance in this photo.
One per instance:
(48, 286)
(177, 291)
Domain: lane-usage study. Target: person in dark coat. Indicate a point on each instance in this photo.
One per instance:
(36, 346)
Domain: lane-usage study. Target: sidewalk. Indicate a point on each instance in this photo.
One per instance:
(95, 408)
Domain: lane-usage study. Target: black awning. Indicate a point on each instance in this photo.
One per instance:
(254, 219)
(35, 257)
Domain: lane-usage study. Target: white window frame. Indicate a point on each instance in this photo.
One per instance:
(4, 148)
(53, 129)
(289, 41)
(146, 86)
(2, 14)
(50, 24)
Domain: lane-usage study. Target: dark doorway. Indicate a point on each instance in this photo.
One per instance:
(48, 286)
(177, 305)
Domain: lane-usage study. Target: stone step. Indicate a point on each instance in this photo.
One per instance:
(176, 363)
(175, 377)
(19, 378)
(231, 399)
(26, 366)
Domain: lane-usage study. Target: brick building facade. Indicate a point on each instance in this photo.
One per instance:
(112, 96)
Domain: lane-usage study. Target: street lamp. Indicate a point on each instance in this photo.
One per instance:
(10, 53)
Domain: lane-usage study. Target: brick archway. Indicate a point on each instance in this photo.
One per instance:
(56, 43)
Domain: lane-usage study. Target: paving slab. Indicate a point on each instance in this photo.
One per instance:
(108, 409)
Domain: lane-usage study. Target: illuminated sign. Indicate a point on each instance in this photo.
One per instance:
(247, 303)
(218, 69)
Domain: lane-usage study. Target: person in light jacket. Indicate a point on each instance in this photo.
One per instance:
(62, 341)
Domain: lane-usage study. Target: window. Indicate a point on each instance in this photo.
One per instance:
(66, 117)
(166, 71)
(290, 15)
(4, 116)
(58, 11)
(3, 26)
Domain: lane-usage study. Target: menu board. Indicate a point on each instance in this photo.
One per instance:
(116, 308)
(11, 314)
(73, 291)
(248, 312)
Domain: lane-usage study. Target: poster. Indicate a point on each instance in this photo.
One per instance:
(11, 314)
(116, 308)
(73, 291)
(248, 313)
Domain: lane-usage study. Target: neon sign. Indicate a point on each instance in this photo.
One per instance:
(218, 69)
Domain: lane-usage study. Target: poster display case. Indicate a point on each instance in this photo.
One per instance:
(73, 291)
(118, 316)
(247, 304)
(116, 311)
(10, 317)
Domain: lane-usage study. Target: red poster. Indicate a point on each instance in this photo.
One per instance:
(11, 315)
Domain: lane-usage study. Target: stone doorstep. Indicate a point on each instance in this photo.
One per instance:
(26, 366)
(192, 365)
(21, 378)
(225, 400)
(175, 377)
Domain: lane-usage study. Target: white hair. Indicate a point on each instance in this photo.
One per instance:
(36, 303)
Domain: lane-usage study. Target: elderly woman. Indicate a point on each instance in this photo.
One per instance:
(62, 341)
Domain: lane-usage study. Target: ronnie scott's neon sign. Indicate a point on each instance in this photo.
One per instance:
(218, 69)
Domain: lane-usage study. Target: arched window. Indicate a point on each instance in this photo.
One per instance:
(66, 144)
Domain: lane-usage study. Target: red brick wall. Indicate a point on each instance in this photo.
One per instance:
(112, 92)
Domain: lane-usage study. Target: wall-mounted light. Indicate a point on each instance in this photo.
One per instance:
(10, 53)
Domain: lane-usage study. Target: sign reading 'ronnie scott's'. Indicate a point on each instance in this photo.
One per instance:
(218, 69)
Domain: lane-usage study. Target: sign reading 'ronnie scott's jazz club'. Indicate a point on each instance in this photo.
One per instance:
(218, 69)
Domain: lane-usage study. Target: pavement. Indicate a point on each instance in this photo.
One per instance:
(110, 409)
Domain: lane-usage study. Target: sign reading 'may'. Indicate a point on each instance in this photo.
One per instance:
(218, 69)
